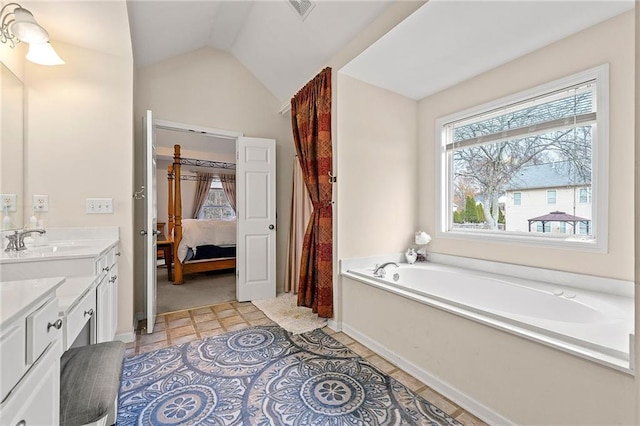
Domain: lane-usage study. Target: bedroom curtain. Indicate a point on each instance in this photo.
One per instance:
(203, 185)
(229, 186)
(311, 125)
(301, 208)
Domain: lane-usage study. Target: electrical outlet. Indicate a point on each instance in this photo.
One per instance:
(99, 205)
(40, 203)
(9, 202)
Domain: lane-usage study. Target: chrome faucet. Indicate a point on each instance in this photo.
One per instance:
(379, 271)
(16, 240)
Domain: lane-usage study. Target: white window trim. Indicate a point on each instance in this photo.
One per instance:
(599, 185)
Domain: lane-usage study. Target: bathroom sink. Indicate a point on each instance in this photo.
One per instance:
(57, 248)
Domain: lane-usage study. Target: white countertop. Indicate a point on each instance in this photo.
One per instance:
(59, 249)
(72, 290)
(17, 298)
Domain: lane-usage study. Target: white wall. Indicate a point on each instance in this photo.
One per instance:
(610, 42)
(210, 88)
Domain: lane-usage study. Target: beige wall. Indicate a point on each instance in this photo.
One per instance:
(610, 42)
(637, 206)
(79, 139)
(210, 88)
(481, 362)
(377, 167)
(526, 382)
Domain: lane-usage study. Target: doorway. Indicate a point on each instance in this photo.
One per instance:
(207, 154)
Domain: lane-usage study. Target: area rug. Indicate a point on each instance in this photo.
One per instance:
(284, 311)
(266, 376)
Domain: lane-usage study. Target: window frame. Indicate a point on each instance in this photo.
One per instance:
(600, 169)
(519, 198)
(555, 197)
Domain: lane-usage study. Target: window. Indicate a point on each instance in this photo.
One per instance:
(552, 136)
(517, 198)
(562, 227)
(545, 228)
(584, 228)
(585, 195)
(217, 205)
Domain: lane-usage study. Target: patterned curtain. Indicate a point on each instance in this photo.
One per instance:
(229, 186)
(203, 185)
(311, 124)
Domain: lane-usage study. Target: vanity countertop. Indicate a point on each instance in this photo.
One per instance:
(17, 297)
(59, 249)
(72, 290)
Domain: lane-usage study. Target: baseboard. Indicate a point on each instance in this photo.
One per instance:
(334, 325)
(463, 400)
(128, 337)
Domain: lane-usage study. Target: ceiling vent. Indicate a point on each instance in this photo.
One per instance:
(302, 7)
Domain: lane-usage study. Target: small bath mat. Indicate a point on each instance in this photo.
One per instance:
(285, 312)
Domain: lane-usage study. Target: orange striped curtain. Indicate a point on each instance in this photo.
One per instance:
(311, 124)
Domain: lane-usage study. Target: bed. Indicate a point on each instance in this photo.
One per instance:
(200, 245)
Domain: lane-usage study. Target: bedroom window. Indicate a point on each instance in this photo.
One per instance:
(545, 144)
(217, 204)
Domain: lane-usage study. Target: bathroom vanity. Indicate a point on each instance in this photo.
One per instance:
(54, 296)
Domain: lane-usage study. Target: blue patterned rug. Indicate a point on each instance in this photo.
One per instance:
(266, 376)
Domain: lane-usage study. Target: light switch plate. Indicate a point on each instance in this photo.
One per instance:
(99, 205)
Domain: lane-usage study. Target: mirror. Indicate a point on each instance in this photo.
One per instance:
(11, 149)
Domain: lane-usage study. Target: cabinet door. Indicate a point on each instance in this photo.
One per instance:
(113, 308)
(36, 399)
(103, 306)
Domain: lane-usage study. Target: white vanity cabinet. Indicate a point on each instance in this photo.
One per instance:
(107, 296)
(30, 350)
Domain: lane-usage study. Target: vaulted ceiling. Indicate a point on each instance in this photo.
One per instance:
(443, 43)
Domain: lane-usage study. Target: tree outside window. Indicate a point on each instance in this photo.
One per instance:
(217, 204)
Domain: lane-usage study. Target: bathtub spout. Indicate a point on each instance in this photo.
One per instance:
(379, 271)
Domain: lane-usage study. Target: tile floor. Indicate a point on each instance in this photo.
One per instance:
(185, 326)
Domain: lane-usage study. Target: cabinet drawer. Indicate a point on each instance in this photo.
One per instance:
(12, 356)
(43, 327)
(36, 399)
(78, 316)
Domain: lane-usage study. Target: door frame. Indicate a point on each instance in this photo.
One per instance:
(189, 128)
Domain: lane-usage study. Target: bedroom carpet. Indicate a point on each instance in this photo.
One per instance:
(200, 289)
(266, 376)
(284, 311)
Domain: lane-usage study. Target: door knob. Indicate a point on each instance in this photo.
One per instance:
(272, 227)
(143, 232)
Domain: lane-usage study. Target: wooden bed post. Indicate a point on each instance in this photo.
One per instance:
(170, 201)
(177, 234)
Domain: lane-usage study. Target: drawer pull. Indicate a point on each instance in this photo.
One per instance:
(106, 269)
(57, 325)
(89, 312)
(118, 254)
(21, 423)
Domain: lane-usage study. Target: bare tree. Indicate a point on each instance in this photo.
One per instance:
(490, 167)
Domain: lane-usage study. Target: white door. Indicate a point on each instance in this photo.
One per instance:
(256, 215)
(149, 230)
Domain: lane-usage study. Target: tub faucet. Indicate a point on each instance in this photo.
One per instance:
(379, 271)
(16, 240)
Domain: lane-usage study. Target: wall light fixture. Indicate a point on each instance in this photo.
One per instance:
(19, 25)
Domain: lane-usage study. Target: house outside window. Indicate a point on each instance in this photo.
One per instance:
(517, 198)
(543, 144)
(585, 195)
(217, 204)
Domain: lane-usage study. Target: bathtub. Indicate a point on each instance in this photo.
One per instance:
(589, 324)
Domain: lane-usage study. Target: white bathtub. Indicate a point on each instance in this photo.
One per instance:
(590, 324)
